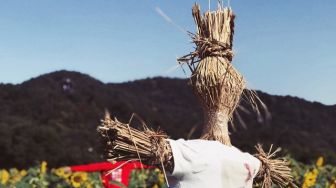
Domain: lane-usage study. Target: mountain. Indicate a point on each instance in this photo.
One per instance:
(54, 117)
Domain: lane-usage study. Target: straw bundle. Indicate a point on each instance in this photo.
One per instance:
(219, 86)
(127, 143)
(214, 80)
(273, 170)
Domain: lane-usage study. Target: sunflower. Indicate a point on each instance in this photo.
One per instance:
(15, 175)
(319, 162)
(62, 173)
(310, 178)
(78, 178)
(43, 167)
(4, 177)
(66, 174)
(23, 173)
(59, 172)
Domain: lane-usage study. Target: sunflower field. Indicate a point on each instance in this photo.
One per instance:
(40, 177)
(317, 175)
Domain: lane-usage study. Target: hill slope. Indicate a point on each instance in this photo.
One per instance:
(54, 117)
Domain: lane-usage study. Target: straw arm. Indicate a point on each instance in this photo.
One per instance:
(273, 170)
(126, 143)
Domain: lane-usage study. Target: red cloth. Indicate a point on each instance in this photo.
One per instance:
(121, 174)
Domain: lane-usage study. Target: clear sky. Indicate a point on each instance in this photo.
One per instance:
(282, 47)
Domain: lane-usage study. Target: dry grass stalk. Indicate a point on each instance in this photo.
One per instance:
(216, 83)
(127, 143)
(273, 170)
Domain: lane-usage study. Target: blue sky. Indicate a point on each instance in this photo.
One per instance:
(282, 47)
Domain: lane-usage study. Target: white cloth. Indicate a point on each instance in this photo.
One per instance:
(203, 163)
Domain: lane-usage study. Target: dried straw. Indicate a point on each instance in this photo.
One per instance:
(219, 86)
(127, 143)
(273, 170)
(216, 83)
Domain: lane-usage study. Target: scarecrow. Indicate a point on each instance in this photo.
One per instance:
(210, 161)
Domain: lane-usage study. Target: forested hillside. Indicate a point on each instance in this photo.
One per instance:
(54, 117)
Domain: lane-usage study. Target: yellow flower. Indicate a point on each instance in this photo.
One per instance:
(4, 177)
(15, 175)
(14, 171)
(332, 184)
(315, 171)
(59, 172)
(78, 178)
(310, 178)
(155, 186)
(43, 167)
(66, 174)
(161, 178)
(319, 162)
(23, 173)
(157, 170)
